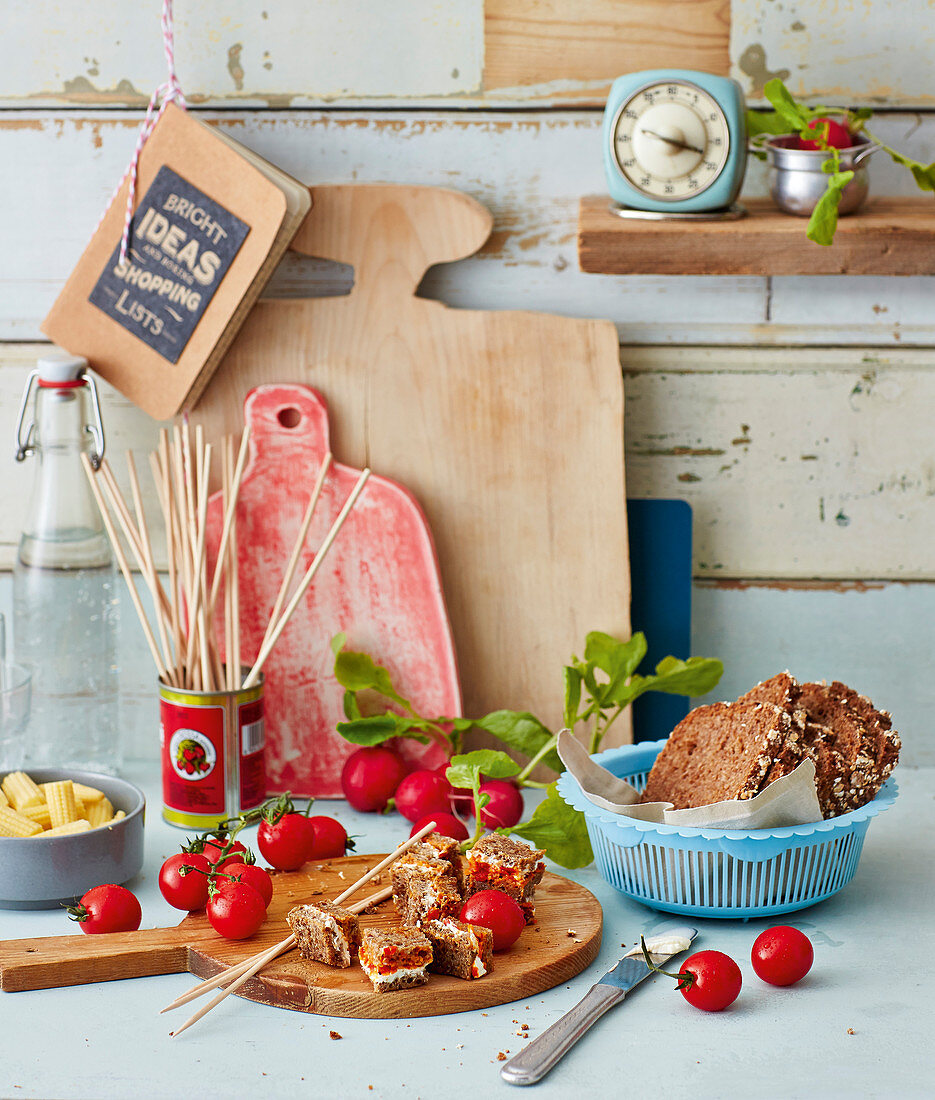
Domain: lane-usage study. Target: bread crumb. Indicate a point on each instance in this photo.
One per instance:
(851, 1031)
(501, 1057)
(571, 932)
(335, 1035)
(525, 1027)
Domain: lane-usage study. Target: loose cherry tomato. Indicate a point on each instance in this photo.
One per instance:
(257, 877)
(107, 908)
(329, 838)
(782, 955)
(505, 807)
(422, 793)
(497, 911)
(709, 980)
(185, 890)
(834, 133)
(214, 849)
(446, 824)
(286, 842)
(370, 777)
(236, 911)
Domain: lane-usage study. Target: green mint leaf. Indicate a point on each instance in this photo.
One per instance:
(377, 729)
(359, 672)
(559, 830)
(824, 220)
(522, 732)
(338, 642)
(460, 725)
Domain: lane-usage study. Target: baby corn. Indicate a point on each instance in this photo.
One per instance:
(60, 808)
(87, 794)
(39, 814)
(100, 812)
(81, 826)
(14, 824)
(60, 797)
(20, 790)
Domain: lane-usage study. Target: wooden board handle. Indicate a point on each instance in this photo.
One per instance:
(391, 233)
(54, 961)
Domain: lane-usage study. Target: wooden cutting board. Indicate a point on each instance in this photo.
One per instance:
(564, 940)
(506, 426)
(379, 584)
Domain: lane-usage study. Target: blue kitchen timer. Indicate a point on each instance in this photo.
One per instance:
(675, 144)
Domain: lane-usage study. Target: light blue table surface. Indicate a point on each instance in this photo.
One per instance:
(860, 1025)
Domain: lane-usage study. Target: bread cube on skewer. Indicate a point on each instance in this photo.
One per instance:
(325, 932)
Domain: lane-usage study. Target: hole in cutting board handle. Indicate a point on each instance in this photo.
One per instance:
(289, 417)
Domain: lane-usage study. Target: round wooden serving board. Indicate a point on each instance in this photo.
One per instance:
(564, 940)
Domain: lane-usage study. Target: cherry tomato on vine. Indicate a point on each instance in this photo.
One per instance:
(185, 890)
(107, 908)
(782, 955)
(286, 842)
(257, 877)
(214, 849)
(709, 980)
(329, 838)
(236, 911)
(497, 911)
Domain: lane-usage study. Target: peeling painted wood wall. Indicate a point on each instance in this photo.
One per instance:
(792, 413)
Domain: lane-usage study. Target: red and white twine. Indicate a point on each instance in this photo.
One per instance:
(170, 91)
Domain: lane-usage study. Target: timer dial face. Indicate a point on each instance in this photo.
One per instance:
(670, 140)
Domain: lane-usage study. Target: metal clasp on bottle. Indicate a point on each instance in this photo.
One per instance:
(25, 432)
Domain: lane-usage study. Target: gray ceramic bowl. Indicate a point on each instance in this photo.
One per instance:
(41, 873)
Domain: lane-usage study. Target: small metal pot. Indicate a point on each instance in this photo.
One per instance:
(796, 181)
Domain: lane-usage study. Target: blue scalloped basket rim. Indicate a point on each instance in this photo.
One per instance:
(630, 759)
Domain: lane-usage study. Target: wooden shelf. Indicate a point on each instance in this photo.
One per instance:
(889, 236)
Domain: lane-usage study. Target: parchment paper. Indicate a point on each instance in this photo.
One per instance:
(791, 800)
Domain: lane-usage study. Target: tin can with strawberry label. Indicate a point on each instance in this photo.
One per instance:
(212, 746)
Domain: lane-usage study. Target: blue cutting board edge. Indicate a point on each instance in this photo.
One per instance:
(660, 537)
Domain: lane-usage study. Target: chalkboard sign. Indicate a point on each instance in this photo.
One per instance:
(181, 246)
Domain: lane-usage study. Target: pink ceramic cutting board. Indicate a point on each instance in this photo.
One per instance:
(379, 584)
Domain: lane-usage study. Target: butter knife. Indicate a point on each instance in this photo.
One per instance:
(535, 1060)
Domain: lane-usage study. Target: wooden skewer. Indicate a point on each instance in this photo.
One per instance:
(235, 971)
(299, 543)
(223, 563)
(124, 566)
(149, 568)
(273, 636)
(230, 511)
(259, 961)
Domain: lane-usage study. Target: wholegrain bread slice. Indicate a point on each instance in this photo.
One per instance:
(719, 752)
(853, 744)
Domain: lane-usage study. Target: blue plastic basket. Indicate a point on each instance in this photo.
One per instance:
(719, 872)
